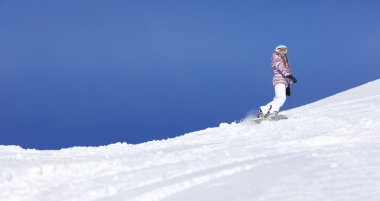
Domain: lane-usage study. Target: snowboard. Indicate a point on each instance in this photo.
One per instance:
(271, 118)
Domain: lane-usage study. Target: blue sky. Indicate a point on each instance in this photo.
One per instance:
(89, 73)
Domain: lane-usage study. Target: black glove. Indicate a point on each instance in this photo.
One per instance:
(288, 91)
(292, 78)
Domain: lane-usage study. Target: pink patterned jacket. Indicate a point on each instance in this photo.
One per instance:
(281, 69)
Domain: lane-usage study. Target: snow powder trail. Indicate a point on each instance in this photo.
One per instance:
(330, 152)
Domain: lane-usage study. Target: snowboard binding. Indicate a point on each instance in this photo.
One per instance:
(261, 114)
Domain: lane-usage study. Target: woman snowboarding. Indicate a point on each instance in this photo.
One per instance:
(281, 81)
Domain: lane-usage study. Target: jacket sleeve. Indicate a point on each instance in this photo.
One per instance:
(280, 67)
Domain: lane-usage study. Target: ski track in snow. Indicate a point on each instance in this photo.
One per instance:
(327, 150)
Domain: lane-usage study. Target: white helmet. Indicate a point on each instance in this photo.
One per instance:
(281, 49)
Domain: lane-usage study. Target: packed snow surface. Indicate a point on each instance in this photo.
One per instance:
(327, 150)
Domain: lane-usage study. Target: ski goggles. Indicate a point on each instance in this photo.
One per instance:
(282, 50)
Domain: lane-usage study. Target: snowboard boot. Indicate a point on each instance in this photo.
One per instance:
(261, 114)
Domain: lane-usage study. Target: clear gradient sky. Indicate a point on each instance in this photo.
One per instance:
(89, 73)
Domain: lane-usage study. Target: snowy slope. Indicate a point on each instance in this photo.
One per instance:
(330, 152)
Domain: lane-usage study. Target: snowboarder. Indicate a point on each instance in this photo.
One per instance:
(282, 79)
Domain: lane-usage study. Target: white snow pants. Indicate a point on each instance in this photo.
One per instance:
(278, 101)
